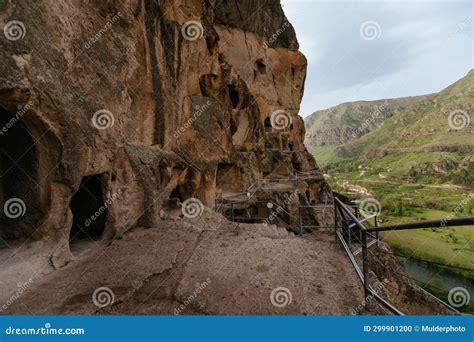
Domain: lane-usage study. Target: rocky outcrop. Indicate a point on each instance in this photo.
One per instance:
(128, 125)
(127, 109)
(350, 121)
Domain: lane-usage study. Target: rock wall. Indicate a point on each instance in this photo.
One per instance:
(155, 101)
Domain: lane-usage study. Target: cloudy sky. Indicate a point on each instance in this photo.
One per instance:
(367, 50)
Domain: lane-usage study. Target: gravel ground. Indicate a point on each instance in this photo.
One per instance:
(205, 265)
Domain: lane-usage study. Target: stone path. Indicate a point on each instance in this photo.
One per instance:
(200, 266)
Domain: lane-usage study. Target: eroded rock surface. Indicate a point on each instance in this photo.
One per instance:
(207, 264)
(150, 100)
(114, 115)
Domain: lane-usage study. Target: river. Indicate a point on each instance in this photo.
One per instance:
(436, 277)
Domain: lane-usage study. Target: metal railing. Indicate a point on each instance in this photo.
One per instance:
(347, 221)
(232, 213)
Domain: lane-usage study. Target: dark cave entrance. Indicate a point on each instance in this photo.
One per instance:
(19, 192)
(89, 210)
(234, 95)
(267, 123)
(177, 194)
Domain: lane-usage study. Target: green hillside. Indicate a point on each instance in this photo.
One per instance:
(409, 140)
(411, 158)
(350, 120)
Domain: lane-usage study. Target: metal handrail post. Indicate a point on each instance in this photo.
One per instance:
(349, 242)
(365, 269)
(335, 221)
(301, 222)
(377, 233)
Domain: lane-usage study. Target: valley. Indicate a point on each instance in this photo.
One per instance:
(414, 160)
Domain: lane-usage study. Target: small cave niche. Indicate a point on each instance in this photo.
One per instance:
(261, 67)
(296, 165)
(89, 211)
(176, 194)
(290, 146)
(267, 124)
(233, 95)
(175, 199)
(19, 192)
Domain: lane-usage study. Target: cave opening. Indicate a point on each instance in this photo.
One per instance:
(296, 165)
(19, 193)
(261, 67)
(234, 95)
(267, 124)
(89, 210)
(176, 193)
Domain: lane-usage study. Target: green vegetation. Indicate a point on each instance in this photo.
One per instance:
(407, 202)
(406, 139)
(222, 58)
(411, 160)
(443, 295)
(451, 246)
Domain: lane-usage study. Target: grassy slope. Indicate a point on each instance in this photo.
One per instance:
(406, 180)
(320, 124)
(406, 130)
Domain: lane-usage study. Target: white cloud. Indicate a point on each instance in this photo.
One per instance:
(424, 46)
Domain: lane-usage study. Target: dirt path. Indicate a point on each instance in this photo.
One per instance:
(195, 267)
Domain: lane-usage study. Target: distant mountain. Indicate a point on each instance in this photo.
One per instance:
(428, 137)
(350, 120)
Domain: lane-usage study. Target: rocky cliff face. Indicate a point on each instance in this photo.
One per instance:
(118, 117)
(115, 113)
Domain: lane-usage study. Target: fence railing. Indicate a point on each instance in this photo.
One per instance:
(347, 222)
